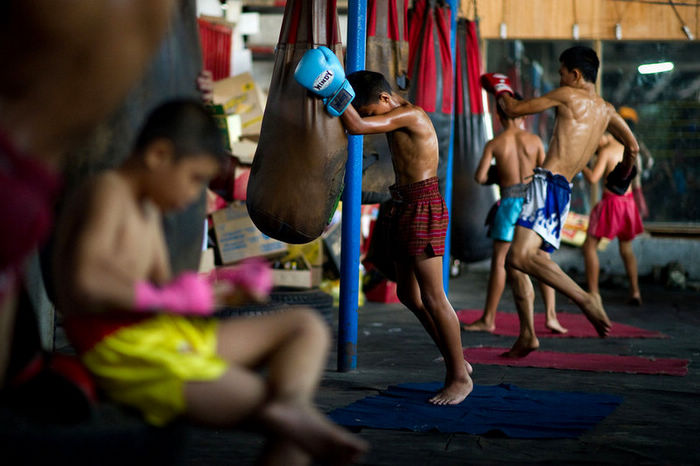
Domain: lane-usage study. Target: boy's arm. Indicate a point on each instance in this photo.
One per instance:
(516, 108)
(595, 174)
(103, 278)
(398, 118)
(619, 129)
(481, 175)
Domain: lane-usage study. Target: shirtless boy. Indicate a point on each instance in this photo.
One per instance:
(615, 216)
(419, 216)
(147, 336)
(516, 152)
(582, 118)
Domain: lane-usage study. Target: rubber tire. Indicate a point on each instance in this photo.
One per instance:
(281, 298)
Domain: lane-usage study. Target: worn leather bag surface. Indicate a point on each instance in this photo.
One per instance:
(297, 173)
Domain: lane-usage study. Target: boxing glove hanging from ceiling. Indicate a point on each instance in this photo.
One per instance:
(470, 200)
(297, 173)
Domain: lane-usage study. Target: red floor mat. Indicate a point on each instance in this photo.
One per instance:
(507, 324)
(581, 362)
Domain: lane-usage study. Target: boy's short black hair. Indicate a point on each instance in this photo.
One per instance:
(582, 58)
(188, 125)
(368, 85)
(502, 113)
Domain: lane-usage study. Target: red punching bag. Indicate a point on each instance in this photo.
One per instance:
(430, 71)
(297, 173)
(470, 201)
(387, 53)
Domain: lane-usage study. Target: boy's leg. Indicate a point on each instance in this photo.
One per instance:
(458, 384)
(527, 257)
(550, 309)
(524, 297)
(590, 259)
(409, 294)
(293, 346)
(497, 282)
(630, 261)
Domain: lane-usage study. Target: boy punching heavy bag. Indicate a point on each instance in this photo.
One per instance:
(298, 169)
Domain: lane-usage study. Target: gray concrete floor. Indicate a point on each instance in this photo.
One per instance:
(657, 423)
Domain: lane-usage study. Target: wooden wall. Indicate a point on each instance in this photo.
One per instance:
(553, 19)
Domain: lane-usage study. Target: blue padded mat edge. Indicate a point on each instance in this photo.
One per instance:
(490, 409)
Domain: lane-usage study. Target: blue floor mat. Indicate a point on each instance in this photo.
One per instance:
(490, 409)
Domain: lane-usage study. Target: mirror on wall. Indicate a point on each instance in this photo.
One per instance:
(659, 81)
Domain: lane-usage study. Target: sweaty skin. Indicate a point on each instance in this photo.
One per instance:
(411, 135)
(414, 153)
(582, 118)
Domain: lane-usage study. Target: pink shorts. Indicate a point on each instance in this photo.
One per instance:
(615, 217)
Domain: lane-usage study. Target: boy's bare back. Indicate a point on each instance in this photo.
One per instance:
(517, 152)
(582, 118)
(107, 228)
(612, 153)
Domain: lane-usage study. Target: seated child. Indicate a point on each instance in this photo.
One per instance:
(148, 338)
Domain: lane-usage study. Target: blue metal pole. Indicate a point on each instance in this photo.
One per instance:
(454, 7)
(352, 198)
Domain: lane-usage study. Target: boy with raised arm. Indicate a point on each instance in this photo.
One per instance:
(418, 215)
(582, 118)
(615, 216)
(516, 153)
(148, 337)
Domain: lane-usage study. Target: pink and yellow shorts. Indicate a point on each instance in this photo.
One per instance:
(146, 365)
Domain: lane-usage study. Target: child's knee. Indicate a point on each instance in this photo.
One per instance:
(516, 259)
(311, 325)
(407, 298)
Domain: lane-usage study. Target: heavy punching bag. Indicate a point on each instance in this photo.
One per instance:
(470, 200)
(387, 53)
(297, 173)
(430, 72)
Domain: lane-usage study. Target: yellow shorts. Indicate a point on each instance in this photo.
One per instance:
(146, 365)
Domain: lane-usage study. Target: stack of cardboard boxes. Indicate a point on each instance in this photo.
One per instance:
(238, 107)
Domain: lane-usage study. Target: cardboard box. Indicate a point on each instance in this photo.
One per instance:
(301, 277)
(241, 96)
(238, 238)
(244, 150)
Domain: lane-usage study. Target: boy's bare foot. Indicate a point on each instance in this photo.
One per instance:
(479, 325)
(522, 347)
(316, 434)
(555, 327)
(454, 392)
(595, 313)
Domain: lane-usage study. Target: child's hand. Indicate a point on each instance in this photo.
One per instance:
(250, 279)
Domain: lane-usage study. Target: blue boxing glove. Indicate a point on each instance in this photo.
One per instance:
(320, 71)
